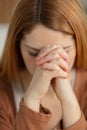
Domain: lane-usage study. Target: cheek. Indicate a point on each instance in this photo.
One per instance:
(72, 55)
(29, 62)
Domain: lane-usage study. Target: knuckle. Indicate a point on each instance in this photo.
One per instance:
(54, 46)
(55, 54)
(56, 67)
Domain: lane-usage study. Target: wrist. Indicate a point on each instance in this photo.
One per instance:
(74, 113)
(33, 104)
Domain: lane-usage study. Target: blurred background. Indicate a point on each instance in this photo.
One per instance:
(6, 11)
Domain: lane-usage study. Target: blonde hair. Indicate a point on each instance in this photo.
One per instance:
(67, 16)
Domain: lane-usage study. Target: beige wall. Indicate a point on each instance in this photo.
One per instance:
(6, 9)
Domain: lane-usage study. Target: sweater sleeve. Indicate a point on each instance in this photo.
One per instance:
(81, 124)
(26, 119)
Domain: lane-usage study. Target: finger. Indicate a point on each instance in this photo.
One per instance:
(61, 63)
(42, 50)
(56, 71)
(50, 66)
(53, 54)
(46, 51)
(61, 74)
(54, 58)
(48, 58)
(64, 54)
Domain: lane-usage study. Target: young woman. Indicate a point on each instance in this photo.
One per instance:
(43, 68)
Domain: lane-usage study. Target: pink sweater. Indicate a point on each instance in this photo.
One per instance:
(27, 119)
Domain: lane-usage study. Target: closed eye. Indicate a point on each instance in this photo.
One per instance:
(33, 54)
(67, 48)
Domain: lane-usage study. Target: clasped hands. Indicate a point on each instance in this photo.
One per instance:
(56, 59)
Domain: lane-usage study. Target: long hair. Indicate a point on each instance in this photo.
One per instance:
(67, 16)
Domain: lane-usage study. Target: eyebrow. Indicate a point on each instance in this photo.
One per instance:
(32, 48)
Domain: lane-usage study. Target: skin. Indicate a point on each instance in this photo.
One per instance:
(49, 57)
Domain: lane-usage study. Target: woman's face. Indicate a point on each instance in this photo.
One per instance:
(41, 37)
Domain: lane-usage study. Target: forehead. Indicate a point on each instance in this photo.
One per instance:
(42, 36)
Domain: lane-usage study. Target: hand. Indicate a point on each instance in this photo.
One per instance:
(52, 58)
(56, 56)
(48, 67)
